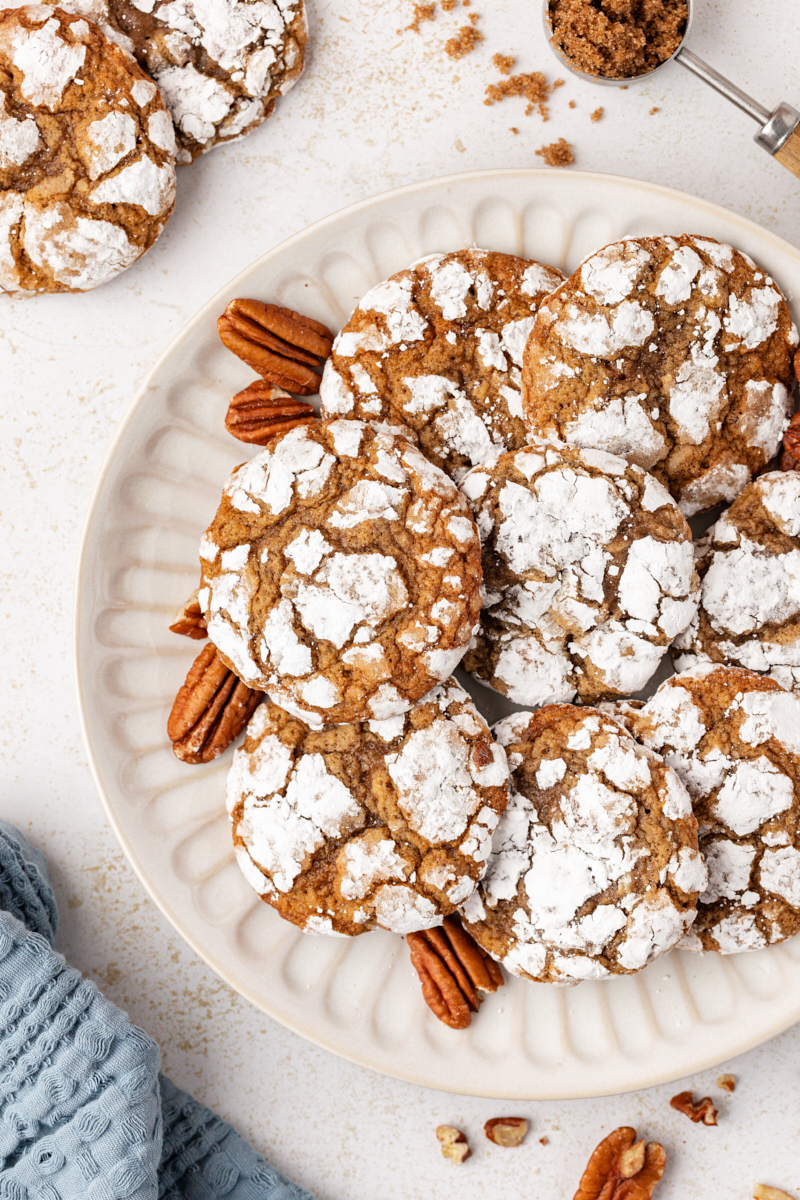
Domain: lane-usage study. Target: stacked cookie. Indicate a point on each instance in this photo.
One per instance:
(99, 102)
(347, 575)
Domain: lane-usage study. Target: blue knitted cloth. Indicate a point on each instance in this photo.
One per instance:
(84, 1114)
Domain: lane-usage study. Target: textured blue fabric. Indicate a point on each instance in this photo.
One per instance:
(84, 1114)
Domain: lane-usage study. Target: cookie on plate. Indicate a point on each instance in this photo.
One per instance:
(674, 352)
(437, 350)
(749, 565)
(341, 573)
(87, 154)
(588, 574)
(733, 737)
(220, 66)
(383, 823)
(594, 869)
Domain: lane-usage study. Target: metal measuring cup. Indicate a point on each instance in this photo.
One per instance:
(779, 134)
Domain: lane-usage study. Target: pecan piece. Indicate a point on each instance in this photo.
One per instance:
(210, 710)
(506, 1131)
(622, 1168)
(189, 619)
(762, 1192)
(452, 969)
(696, 1110)
(262, 411)
(454, 1144)
(727, 1083)
(790, 456)
(280, 345)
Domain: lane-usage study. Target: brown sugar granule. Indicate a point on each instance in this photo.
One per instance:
(448, 5)
(557, 83)
(617, 39)
(513, 129)
(474, 18)
(653, 111)
(504, 63)
(532, 87)
(422, 12)
(465, 41)
(596, 115)
(557, 154)
(572, 103)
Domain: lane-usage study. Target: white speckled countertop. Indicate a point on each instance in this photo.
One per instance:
(375, 109)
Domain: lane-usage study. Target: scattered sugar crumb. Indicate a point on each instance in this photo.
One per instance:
(474, 18)
(513, 129)
(422, 12)
(532, 87)
(557, 83)
(465, 41)
(596, 115)
(557, 154)
(572, 103)
(448, 5)
(653, 111)
(504, 63)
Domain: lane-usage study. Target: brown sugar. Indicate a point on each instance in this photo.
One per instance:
(465, 41)
(596, 115)
(557, 154)
(504, 63)
(618, 39)
(532, 87)
(653, 111)
(572, 103)
(422, 12)
(448, 5)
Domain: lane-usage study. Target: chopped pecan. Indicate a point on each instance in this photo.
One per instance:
(762, 1192)
(452, 969)
(696, 1110)
(280, 345)
(210, 710)
(790, 457)
(506, 1131)
(454, 1144)
(262, 411)
(622, 1168)
(727, 1083)
(190, 620)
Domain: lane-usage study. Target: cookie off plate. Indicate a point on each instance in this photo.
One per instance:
(158, 489)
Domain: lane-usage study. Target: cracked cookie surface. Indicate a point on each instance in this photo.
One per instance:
(383, 823)
(749, 566)
(87, 154)
(733, 737)
(674, 352)
(341, 573)
(220, 65)
(437, 350)
(594, 869)
(588, 574)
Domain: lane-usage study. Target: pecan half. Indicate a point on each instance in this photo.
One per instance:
(281, 346)
(506, 1131)
(452, 969)
(622, 1168)
(790, 456)
(189, 619)
(454, 1144)
(210, 710)
(696, 1110)
(261, 411)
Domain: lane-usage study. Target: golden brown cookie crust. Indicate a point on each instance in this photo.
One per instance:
(384, 823)
(437, 350)
(87, 154)
(595, 869)
(341, 573)
(588, 574)
(733, 737)
(674, 352)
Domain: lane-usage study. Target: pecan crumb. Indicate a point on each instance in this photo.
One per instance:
(533, 87)
(572, 103)
(727, 1083)
(506, 1131)
(696, 1110)
(465, 41)
(596, 115)
(504, 63)
(557, 154)
(543, 1141)
(654, 110)
(513, 129)
(454, 1144)
(762, 1192)
(189, 620)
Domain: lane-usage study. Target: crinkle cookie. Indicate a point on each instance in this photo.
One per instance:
(588, 574)
(385, 823)
(594, 869)
(87, 154)
(437, 350)
(674, 352)
(749, 565)
(733, 737)
(220, 65)
(341, 573)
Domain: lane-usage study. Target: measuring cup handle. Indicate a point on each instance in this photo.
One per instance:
(789, 154)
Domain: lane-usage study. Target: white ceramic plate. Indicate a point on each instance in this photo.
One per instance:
(158, 490)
